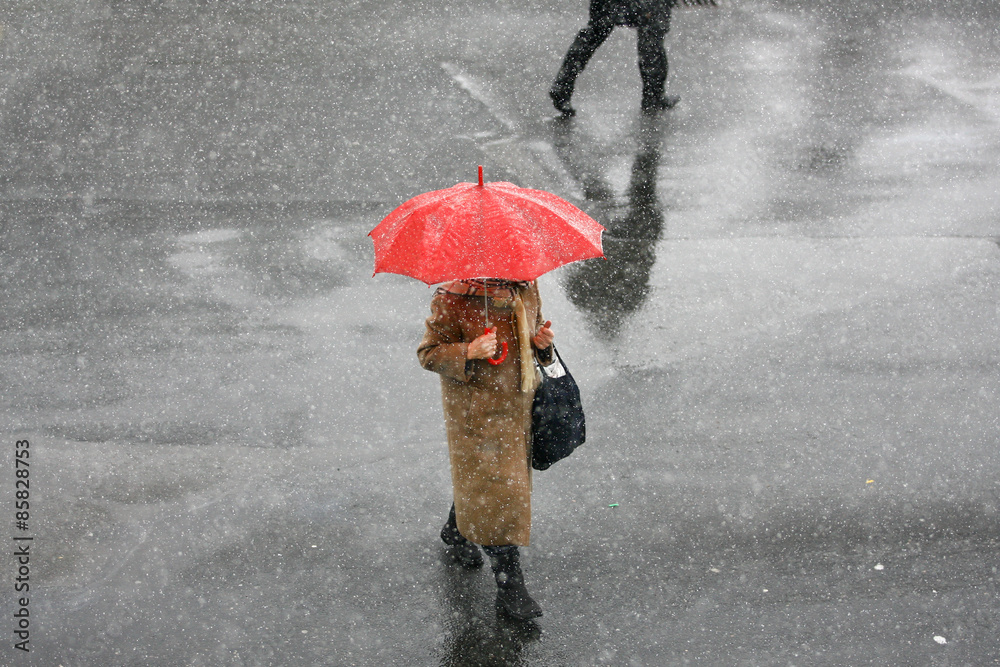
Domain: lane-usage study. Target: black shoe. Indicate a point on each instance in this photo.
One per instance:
(512, 595)
(560, 100)
(462, 550)
(654, 104)
(513, 598)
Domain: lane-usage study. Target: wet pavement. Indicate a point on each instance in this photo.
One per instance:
(789, 360)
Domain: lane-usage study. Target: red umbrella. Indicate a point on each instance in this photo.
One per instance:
(484, 230)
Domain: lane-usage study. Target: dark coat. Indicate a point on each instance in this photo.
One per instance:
(633, 13)
(487, 415)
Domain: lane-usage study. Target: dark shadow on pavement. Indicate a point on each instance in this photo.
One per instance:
(611, 290)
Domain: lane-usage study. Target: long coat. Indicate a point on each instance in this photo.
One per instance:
(487, 414)
(633, 13)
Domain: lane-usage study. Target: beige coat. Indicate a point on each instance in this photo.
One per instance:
(487, 412)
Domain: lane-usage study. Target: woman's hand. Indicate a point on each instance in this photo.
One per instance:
(483, 347)
(544, 337)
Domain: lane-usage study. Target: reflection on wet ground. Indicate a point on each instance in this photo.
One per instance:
(138, 313)
(476, 632)
(612, 289)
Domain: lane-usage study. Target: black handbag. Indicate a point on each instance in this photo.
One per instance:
(557, 422)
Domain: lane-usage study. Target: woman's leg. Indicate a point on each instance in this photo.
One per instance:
(586, 43)
(462, 550)
(653, 69)
(512, 595)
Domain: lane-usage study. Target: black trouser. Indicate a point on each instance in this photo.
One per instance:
(652, 57)
(498, 550)
(501, 549)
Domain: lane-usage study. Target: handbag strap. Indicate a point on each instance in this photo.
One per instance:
(558, 359)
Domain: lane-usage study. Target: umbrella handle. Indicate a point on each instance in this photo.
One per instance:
(496, 361)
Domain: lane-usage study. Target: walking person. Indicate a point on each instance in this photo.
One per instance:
(514, 234)
(487, 410)
(651, 19)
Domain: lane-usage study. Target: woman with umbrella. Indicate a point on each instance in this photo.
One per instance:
(487, 411)
(484, 338)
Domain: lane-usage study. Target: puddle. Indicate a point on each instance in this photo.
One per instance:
(210, 236)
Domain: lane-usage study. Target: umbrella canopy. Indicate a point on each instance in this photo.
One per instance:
(494, 230)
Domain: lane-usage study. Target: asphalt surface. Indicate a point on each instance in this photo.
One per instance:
(789, 360)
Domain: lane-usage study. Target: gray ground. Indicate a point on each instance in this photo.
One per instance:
(789, 360)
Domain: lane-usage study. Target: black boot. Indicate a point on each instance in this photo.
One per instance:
(562, 88)
(512, 596)
(462, 550)
(651, 105)
(560, 99)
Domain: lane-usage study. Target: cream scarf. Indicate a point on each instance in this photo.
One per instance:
(529, 375)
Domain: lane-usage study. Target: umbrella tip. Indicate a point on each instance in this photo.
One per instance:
(480, 175)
